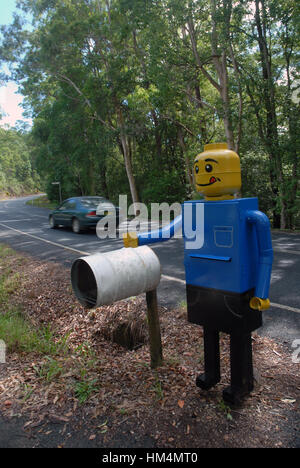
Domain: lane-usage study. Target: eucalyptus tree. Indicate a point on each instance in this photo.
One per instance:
(272, 33)
(169, 85)
(204, 27)
(81, 48)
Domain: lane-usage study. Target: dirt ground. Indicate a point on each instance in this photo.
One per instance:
(92, 392)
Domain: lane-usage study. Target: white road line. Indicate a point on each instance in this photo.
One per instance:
(14, 220)
(172, 278)
(291, 252)
(45, 240)
(169, 278)
(281, 306)
(273, 304)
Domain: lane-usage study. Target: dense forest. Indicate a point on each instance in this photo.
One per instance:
(17, 173)
(125, 93)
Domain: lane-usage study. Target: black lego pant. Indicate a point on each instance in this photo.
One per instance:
(223, 311)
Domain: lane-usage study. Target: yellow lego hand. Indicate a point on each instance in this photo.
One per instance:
(259, 304)
(130, 239)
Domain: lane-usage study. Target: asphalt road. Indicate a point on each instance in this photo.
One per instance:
(25, 228)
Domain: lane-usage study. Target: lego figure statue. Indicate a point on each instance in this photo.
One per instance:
(228, 260)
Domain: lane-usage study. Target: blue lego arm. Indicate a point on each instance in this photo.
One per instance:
(265, 251)
(162, 234)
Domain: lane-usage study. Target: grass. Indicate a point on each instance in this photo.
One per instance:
(225, 409)
(157, 387)
(21, 336)
(182, 304)
(87, 362)
(27, 392)
(16, 331)
(85, 386)
(50, 369)
(42, 202)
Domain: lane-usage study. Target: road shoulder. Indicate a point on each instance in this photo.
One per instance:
(83, 390)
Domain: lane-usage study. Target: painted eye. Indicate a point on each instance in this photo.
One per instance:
(196, 169)
(208, 168)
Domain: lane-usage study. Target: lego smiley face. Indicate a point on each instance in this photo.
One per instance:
(217, 171)
(207, 174)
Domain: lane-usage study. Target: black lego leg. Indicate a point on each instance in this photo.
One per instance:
(241, 368)
(211, 360)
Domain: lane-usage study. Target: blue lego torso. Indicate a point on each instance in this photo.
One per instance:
(224, 254)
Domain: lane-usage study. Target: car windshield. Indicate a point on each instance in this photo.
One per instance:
(92, 202)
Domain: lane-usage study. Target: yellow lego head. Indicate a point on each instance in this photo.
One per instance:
(217, 172)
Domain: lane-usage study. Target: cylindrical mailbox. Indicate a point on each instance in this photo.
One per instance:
(104, 278)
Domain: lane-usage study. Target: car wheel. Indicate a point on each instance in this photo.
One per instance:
(76, 226)
(52, 223)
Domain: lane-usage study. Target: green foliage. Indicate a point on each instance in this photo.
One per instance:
(49, 370)
(16, 333)
(87, 362)
(85, 387)
(42, 202)
(157, 388)
(17, 175)
(167, 188)
(226, 410)
(255, 179)
(15, 330)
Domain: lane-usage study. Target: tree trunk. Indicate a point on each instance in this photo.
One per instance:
(221, 70)
(127, 160)
(293, 147)
(188, 165)
(91, 188)
(272, 141)
(202, 125)
(128, 167)
(223, 78)
(158, 141)
(104, 186)
(220, 63)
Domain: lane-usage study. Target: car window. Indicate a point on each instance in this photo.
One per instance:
(63, 206)
(92, 202)
(71, 205)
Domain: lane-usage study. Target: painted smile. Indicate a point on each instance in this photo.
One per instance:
(212, 180)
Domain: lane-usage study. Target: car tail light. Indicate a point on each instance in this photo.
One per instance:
(91, 213)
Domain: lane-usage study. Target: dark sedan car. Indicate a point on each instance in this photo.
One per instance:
(81, 213)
